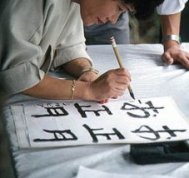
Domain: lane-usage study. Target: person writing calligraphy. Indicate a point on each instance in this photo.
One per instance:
(37, 36)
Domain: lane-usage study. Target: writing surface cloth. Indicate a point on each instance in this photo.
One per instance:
(69, 123)
(86, 172)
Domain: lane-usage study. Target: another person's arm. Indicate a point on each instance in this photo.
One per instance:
(172, 49)
(170, 12)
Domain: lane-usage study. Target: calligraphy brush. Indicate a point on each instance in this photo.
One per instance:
(119, 60)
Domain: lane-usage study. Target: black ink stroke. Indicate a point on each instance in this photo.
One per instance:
(83, 112)
(131, 108)
(58, 135)
(53, 111)
(156, 134)
(102, 134)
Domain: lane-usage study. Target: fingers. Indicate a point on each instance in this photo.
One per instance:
(181, 58)
(111, 84)
(103, 101)
(184, 60)
(119, 79)
(167, 58)
(119, 76)
(176, 54)
(123, 72)
(118, 82)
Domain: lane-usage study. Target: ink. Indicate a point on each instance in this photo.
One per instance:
(83, 112)
(53, 111)
(58, 135)
(139, 101)
(144, 129)
(102, 134)
(145, 111)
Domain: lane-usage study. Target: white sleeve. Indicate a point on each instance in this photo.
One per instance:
(171, 7)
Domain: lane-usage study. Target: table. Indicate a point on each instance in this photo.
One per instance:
(150, 78)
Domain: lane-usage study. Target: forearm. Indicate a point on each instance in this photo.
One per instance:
(54, 88)
(111, 84)
(172, 48)
(170, 26)
(60, 89)
(76, 66)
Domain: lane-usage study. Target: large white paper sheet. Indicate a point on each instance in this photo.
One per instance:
(69, 123)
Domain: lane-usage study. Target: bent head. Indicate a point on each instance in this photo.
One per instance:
(103, 11)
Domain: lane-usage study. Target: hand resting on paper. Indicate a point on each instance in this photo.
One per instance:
(175, 54)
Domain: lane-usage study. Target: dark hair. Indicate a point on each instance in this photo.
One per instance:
(144, 8)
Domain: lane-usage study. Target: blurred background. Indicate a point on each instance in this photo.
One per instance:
(149, 31)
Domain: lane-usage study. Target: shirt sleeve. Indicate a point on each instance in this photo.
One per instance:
(71, 44)
(20, 58)
(171, 7)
